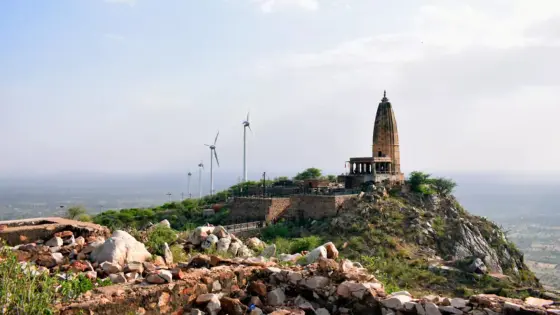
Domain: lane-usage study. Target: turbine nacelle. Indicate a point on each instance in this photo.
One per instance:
(246, 123)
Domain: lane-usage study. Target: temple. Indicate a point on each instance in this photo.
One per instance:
(384, 165)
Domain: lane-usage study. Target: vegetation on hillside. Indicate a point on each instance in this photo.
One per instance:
(23, 290)
(391, 237)
(422, 183)
(183, 215)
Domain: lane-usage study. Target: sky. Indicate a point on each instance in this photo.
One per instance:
(139, 86)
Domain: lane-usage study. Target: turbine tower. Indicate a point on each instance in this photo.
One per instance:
(246, 124)
(200, 168)
(189, 174)
(213, 155)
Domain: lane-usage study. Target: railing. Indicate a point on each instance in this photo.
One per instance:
(247, 226)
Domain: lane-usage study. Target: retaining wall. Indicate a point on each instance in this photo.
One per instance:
(245, 209)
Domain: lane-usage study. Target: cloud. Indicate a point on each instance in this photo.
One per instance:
(129, 2)
(268, 6)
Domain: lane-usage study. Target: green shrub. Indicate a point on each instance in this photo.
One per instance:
(22, 293)
(305, 243)
(179, 254)
(273, 231)
(75, 212)
(84, 217)
(157, 237)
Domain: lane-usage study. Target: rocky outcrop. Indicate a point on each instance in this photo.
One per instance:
(444, 232)
(213, 285)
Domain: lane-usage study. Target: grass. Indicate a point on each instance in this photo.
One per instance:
(157, 237)
(23, 292)
(179, 254)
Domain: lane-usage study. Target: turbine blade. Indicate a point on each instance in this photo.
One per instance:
(207, 145)
(247, 116)
(216, 138)
(250, 129)
(216, 156)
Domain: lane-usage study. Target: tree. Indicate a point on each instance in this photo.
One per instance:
(443, 186)
(75, 212)
(418, 181)
(309, 173)
(332, 178)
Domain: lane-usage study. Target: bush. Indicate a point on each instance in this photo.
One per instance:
(20, 292)
(443, 186)
(422, 183)
(179, 254)
(305, 243)
(273, 231)
(157, 237)
(75, 212)
(84, 217)
(417, 180)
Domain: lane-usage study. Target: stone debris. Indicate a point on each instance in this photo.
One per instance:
(213, 285)
(317, 283)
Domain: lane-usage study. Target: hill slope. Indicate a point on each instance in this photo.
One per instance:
(426, 244)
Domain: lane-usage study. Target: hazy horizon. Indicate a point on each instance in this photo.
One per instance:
(138, 86)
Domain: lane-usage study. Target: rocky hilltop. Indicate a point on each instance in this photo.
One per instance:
(433, 233)
(386, 252)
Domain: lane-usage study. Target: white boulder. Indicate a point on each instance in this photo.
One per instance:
(120, 248)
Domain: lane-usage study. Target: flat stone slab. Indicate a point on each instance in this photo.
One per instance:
(16, 232)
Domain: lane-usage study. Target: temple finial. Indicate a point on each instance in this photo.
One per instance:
(385, 99)
(385, 93)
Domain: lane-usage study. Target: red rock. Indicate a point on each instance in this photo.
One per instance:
(23, 256)
(258, 288)
(215, 260)
(149, 267)
(158, 261)
(178, 274)
(207, 280)
(79, 266)
(23, 238)
(63, 234)
(332, 252)
(163, 302)
(3, 227)
(46, 260)
(232, 306)
(327, 265)
(255, 300)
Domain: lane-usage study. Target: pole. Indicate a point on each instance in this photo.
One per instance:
(189, 185)
(264, 184)
(211, 174)
(244, 153)
(199, 182)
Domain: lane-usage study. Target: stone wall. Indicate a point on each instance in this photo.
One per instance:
(246, 209)
(316, 206)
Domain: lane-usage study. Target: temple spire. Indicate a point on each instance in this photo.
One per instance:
(385, 99)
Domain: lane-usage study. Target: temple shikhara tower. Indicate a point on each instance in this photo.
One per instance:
(384, 165)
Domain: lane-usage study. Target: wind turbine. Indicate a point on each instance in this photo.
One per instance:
(246, 124)
(189, 174)
(213, 155)
(200, 168)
